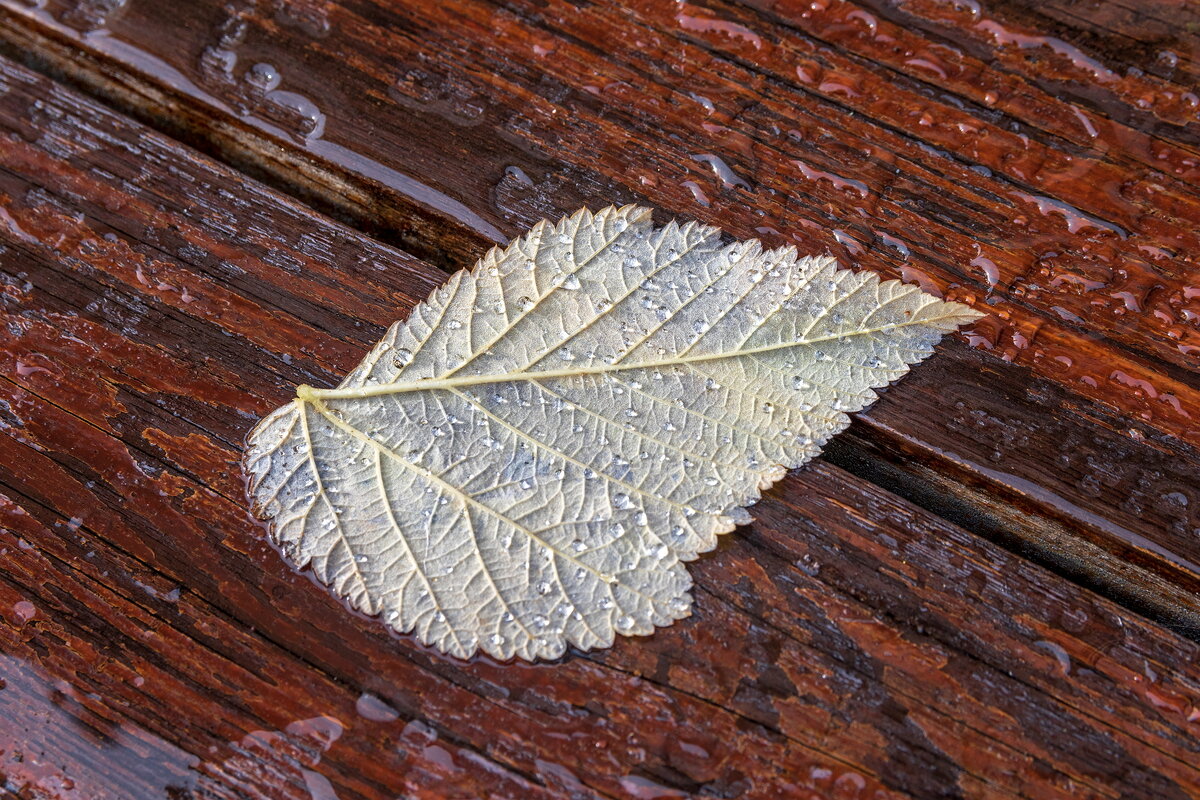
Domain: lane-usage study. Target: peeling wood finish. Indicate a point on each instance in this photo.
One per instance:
(1007, 156)
(849, 644)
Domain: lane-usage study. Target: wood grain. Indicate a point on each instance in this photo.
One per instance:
(156, 302)
(1009, 156)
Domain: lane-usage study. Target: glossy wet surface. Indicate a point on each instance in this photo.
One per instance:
(873, 634)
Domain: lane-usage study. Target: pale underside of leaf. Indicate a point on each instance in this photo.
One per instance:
(525, 463)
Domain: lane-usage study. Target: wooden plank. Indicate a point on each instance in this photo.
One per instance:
(1063, 481)
(934, 141)
(1157, 38)
(155, 303)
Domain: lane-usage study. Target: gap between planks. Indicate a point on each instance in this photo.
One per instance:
(447, 243)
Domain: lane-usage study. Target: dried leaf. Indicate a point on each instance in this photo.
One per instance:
(526, 461)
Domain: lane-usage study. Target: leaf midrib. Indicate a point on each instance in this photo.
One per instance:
(309, 393)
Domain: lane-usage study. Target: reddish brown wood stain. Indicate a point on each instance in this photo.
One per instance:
(1085, 268)
(1098, 218)
(849, 644)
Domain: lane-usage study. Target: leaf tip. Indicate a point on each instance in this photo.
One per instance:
(959, 314)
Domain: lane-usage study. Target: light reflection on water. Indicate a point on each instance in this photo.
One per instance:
(58, 741)
(64, 743)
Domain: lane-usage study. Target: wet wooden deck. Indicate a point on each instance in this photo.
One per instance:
(988, 587)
